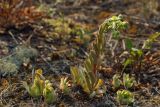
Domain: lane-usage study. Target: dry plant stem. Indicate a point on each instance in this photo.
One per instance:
(110, 38)
(123, 44)
(13, 37)
(18, 6)
(5, 91)
(27, 42)
(33, 75)
(116, 42)
(122, 71)
(114, 47)
(156, 89)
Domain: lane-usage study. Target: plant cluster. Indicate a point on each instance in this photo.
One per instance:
(21, 54)
(15, 13)
(87, 76)
(64, 28)
(134, 59)
(7, 67)
(41, 87)
(124, 96)
(135, 55)
(127, 82)
(150, 7)
(115, 25)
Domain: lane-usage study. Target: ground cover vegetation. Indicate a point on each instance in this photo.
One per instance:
(82, 53)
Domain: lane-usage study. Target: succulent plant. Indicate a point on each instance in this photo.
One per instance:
(64, 85)
(49, 93)
(87, 76)
(41, 87)
(90, 83)
(128, 82)
(36, 89)
(116, 82)
(125, 97)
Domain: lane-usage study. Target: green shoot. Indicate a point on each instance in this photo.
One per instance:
(41, 87)
(128, 82)
(49, 93)
(125, 97)
(64, 85)
(87, 76)
(116, 81)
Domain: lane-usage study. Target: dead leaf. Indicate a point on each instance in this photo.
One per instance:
(133, 29)
(4, 83)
